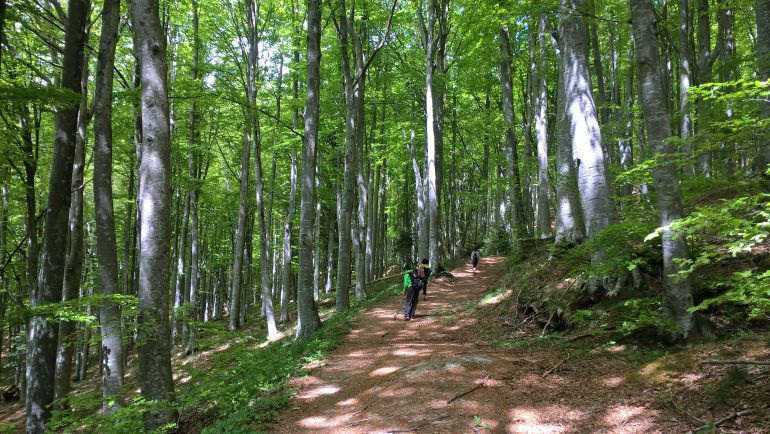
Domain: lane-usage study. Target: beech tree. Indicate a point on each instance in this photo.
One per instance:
(154, 200)
(42, 330)
(677, 299)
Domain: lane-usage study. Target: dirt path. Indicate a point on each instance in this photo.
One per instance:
(393, 376)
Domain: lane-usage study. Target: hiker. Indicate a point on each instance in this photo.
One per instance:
(423, 272)
(475, 255)
(412, 286)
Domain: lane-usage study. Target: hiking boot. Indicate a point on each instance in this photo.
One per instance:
(408, 318)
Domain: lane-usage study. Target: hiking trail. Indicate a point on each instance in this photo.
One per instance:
(436, 373)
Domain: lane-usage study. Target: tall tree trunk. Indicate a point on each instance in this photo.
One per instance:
(106, 246)
(344, 223)
(155, 378)
(677, 299)
(541, 133)
(73, 266)
(569, 215)
(307, 315)
(43, 331)
(265, 222)
(706, 59)
(511, 150)
(286, 277)
(193, 168)
(727, 73)
(587, 149)
(762, 11)
(431, 142)
(685, 79)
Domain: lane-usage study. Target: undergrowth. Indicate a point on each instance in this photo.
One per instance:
(240, 388)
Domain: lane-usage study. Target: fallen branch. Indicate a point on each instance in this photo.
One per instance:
(730, 416)
(358, 421)
(475, 388)
(556, 367)
(384, 334)
(359, 411)
(735, 362)
(587, 334)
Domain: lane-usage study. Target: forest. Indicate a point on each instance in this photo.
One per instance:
(248, 175)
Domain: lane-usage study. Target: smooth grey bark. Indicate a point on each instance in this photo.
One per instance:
(569, 216)
(332, 234)
(42, 332)
(359, 241)
(580, 111)
(106, 245)
(240, 236)
(685, 80)
(706, 58)
(193, 168)
(308, 320)
(541, 133)
(511, 148)
(727, 73)
(419, 188)
(181, 263)
(344, 223)
(762, 12)
(286, 275)
(625, 148)
(677, 298)
(73, 262)
(432, 142)
(264, 248)
(155, 377)
(250, 137)
(317, 258)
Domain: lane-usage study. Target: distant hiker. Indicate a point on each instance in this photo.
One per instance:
(423, 272)
(475, 255)
(412, 286)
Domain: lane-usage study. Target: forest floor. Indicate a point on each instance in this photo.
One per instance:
(465, 364)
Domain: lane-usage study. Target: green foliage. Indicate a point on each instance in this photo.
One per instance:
(723, 232)
(642, 313)
(8, 428)
(497, 240)
(477, 422)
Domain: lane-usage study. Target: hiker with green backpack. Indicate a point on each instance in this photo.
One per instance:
(414, 282)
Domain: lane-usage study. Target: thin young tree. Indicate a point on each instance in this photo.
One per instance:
(106, 246)
(762, 12)
(43, 331)
(154, 195)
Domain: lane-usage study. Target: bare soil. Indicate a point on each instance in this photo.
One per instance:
(443, 373)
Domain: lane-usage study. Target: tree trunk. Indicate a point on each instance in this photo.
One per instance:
(344, 223)
(307, 315)
(106, 246)
(43, 331)
(582, 120)
(155, 377)
(286, 277)
(706, 59)
(432, 140)
(73, 267)
(677, 297)
(727, 73)
(762, 11)
(541, 133)
(569, 215)
(685, 78)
